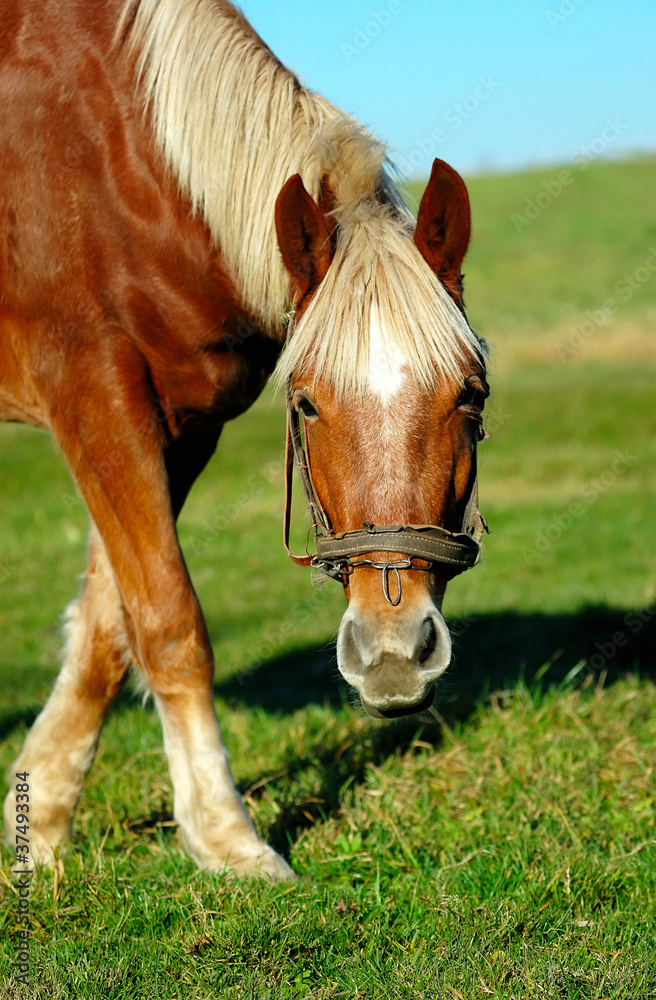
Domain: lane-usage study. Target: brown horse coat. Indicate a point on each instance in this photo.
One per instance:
(143, 146)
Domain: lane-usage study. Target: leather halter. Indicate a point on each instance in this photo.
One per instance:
(338, 555)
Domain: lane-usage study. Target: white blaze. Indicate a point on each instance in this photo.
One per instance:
(387, 371)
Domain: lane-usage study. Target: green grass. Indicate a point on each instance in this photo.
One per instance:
(568, 259)
(510, 853)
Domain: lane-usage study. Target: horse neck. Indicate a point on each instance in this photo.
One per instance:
(264, 129)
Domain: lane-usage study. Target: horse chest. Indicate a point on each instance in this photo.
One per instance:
(215, 382)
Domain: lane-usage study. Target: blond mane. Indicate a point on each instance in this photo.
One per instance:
(234, 125)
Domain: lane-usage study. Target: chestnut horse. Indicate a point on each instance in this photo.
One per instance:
(169, 196)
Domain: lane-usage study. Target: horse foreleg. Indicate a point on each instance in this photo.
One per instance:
(118, 455)
(215, 827)
(61, 745)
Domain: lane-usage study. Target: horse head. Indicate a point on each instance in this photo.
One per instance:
(388, 381)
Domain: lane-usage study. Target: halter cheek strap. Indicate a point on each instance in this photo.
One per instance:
(296, 452)
(338, 555)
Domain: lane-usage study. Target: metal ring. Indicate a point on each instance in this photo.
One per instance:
(385, 571)
(342, 570)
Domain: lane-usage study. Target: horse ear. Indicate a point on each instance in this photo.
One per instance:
(304, 238)
(444, 225)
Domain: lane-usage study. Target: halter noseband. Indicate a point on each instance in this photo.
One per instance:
(338, 555)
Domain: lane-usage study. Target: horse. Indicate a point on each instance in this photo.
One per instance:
(180, 221)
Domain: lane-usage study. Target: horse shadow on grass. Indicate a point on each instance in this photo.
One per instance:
(491, 653)
(494, 652)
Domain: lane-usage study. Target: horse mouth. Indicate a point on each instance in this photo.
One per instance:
(399, 713)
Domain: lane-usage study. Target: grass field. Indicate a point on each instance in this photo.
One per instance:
(509, 853)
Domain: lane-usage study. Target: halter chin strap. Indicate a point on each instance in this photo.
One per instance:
(340, 554)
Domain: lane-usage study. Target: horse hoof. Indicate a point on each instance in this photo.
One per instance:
(267, 865)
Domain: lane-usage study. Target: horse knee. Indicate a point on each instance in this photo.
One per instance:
(176, 661)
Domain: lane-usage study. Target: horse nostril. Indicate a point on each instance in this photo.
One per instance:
(429, 641)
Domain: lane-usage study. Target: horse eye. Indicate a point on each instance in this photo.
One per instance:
(306, 407)
(473, 395)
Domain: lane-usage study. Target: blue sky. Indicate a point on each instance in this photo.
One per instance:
(484, 85)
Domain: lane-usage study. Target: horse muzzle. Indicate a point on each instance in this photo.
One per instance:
(393, 660)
